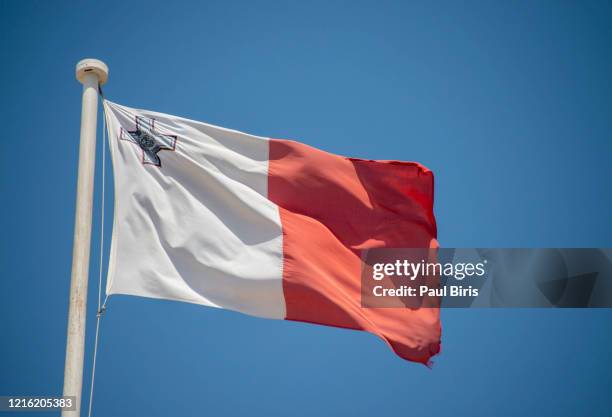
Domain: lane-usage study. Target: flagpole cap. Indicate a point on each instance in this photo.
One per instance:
(89, 65)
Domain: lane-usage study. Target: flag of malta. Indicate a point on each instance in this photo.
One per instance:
(267, 227)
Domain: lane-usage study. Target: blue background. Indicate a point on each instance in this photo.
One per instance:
(509, 103)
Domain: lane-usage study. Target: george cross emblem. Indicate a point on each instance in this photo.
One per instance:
(149, 140)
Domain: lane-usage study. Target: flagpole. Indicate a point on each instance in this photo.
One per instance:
(90, 73)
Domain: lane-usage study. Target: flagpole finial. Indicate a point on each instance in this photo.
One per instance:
(90, 65)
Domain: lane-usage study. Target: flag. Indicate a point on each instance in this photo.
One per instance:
(267, 227)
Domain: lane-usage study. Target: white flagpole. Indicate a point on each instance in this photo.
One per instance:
(90, 72)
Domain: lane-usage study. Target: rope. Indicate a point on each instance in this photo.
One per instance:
(101, 306)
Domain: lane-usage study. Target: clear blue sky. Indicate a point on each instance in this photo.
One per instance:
(509, 103)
